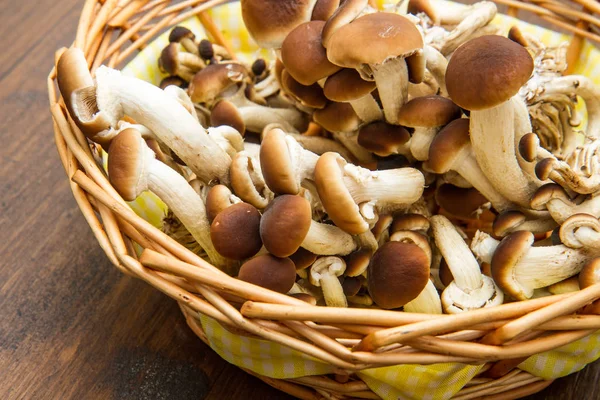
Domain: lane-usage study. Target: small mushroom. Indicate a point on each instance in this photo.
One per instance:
(581, 231)
(185, 37)
(324, 273)
(519, 268)
(384, 139)
(427, 115)
(286, 225)
(495, 110)
(210, 84)
(218, 198)
(235, 232)
(352, 195)
(303, 259)
(514, 220)
(308, 96)
(381, 47)
(470, 289)
(347, 86)
(132, 169)
(226, 113)
(176, 62)
(397, 274)
(269, 272)
(452, 150)
(248, 182)
(554, 198)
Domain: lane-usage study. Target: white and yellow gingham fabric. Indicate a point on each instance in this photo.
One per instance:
(436, 382)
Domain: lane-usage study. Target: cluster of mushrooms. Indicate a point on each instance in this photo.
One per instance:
(418, 160)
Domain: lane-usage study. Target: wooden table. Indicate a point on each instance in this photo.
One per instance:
(72, 326)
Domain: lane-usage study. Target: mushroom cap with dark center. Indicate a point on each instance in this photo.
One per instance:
(487, 71)
(347, 85)
(428, 112)
(226, 113)
(337, 117)
(382, 138)
(547, 193)
(309, 95)
(284, 224)
(209, 82)
(126, 162)
(168, 61)
(460, 202)
(447, 144)
(269, 272)
(276, 163)
(373, 39)
(335, 196)
(270, 21)
(507, 255)
(235, 231)
(397, 274)
(180, 32)
(304, 56)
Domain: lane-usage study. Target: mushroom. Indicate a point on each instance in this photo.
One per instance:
(569, 285)
(381, 46)
(581, 231)
(100, 107)
(303, 259)
(554, 198)
(284, 163)
(427, 115)
(235, 232)
(176, 62)
(351, 195)
(324, 273)
(248, 182)
(269, 272)
(214, 81)
(470, 289)
(397, 274)
(384, 139)
(519, 268)
(132, 169)
(286, 225)
(303, 55)
(173, 80)
(218, 198)
(515, 220)
(185, 37)
(451, 150)
(309, 96)
(226, 113)
(228, 139)
(347, 86)
(484, 76)
(461, 202)
(347, 12)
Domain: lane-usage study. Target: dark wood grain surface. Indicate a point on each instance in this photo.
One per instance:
(71, 326)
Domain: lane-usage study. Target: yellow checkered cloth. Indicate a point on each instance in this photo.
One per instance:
(440, 381)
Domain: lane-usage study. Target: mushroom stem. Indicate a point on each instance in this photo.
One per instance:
(324, 239)
(117, 95)
(324, 272)
(581, 231)
(420, 141)
(427, 302)
(493, 138)
(437, 64)
(367, 109)
(391, 79)
(481, 14)
(484, 246)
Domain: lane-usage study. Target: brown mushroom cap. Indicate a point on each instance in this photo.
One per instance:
(285, 224)
(447, 144)
(351, 285)
(324, 9)
(507, 255)
(347, 85)
(235, 231)
(346, 13)
(276, 163)
(528, 147)
(335, 197)
(357, 262)
(126, 162)
(507, 221)
(218, 198)
(310, 96)
(423, 6)
(337, 117)
(303, 259)
(169, 61)
(410, 222)
(209, 82)
(460, 202)
(304, 56)
(226, 113)
(173, 80)
(180, 32)
(270, 21)
(544, 168)
(487, 71)
(382, 138)
(445, 274)
(397, 274)
(546, 193)
(428, 112)
(373, 39)
(270, 272)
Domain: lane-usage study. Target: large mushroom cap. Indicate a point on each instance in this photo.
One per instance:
(285, 224)
(270, 21)
(304, 56)
(447, 144)
(507, 255)
(235, 231)
(397, 274)
(372, 39)
(487, 71)
(428, 112)
(270, 272)
(126, 162)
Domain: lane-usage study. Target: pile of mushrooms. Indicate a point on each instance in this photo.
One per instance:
(418, 161)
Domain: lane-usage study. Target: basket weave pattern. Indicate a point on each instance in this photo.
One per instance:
(109, 33)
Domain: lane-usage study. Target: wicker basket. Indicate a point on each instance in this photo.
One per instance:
(110, 32)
